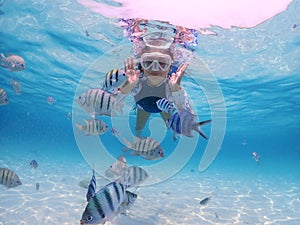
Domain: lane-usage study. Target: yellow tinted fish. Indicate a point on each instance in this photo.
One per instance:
(12, 62)
(9, 178)
(93, 127)
(3, 97)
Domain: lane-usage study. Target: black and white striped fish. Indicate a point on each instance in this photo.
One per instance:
(93, 127)
(114, 79)
(183, 122)
(9, 178)
(100, 102)
(147, 148)
(12, 62)
(104, 205)
(165, 105)
(92, 187)
(3, 97)
(133, 176)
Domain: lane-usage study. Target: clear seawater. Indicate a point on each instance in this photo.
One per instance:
(257, 70)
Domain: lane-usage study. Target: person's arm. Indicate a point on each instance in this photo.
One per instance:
(178, 94)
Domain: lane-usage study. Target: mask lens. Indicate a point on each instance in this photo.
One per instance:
(156, 61)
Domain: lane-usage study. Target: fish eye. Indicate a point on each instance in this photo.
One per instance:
(89, 218)
(22, 65)
(79, 97)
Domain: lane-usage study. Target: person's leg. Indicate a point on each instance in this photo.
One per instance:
(165, 116)
(141, 119)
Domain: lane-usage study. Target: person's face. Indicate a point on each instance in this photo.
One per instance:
(156, 63)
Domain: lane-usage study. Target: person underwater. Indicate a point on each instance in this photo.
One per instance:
(152, 82)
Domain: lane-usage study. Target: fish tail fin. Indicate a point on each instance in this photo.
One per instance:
(200, 132)
(119, 107)
(127, 143)
(196, 128)
(80, 127)
(2, 57)
(203, 122)
(119, 103)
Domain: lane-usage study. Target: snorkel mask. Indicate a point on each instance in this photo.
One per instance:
(155, 59)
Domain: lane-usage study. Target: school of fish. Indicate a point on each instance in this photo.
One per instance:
(114, 198)
(12, 63)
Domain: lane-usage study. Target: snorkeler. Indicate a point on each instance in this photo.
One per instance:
(152, 83)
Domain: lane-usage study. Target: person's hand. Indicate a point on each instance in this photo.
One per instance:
(131, 72)
(175, 79)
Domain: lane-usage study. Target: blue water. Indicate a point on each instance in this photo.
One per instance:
(257, 69)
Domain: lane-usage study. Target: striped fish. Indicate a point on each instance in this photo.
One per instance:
(133, 176)
(3, 97)
(164, 105)
(16, 86)
(183, 122)
(114, 79)
(104, 205)
(93, 127)
(12, 62)
(92, 187)
(100, 102)
(9, 178)
(147, 148)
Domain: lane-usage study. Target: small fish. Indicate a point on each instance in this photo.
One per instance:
(12, 62)
(133, 176)
(164, 105)
(37, 186)
(117, 167)
(9, 178)
(100, 102)
(244, 142)
(93, 127)
(92, 187)
(113, 80)
(128, 201)
(216, 215)
(147, 148)
(114, 131)
(3, 97)
(204, 201)
(256, 157)
(183, 122)
(50, 100)
(33, 164)
(16, 86)
(104, 205)
(69, 115)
